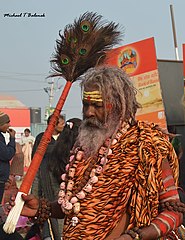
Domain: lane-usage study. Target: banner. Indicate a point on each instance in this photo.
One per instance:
(139, 61)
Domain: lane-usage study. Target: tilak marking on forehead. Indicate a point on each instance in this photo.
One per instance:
(92, 96)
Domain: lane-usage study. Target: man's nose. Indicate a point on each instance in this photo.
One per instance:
(90, 111)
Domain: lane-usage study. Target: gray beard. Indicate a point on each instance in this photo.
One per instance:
(93, 134)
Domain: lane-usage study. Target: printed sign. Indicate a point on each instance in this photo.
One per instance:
(139, 61)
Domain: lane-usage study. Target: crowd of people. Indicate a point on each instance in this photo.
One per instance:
(7, 151)
(108, 176)
(47, 180)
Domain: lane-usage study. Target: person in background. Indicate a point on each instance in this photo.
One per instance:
(27, 141)
(7, 151)
(122, 179)
(57, 130)
(59, 157)
(17, 163)
(43, 185)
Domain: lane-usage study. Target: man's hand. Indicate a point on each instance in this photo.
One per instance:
(30, 207)
(12, 132)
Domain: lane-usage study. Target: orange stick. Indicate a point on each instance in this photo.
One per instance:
(39, 154)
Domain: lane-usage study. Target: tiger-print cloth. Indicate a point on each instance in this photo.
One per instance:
(133, 173)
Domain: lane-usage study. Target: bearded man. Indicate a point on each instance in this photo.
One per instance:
(121, 182)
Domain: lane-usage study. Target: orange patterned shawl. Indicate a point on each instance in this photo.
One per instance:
(133, 173)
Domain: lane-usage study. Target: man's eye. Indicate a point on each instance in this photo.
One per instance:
(85, 104)
(98, 105)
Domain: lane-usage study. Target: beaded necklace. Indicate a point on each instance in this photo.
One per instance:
(70, 194)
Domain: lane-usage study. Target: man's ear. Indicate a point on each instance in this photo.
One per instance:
(108, 106)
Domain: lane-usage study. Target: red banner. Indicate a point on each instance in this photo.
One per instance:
(139, 61)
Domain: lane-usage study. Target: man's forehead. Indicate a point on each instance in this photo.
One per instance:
(93, 96)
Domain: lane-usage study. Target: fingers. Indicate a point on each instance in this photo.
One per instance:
(9, 205)
(12, 132)
(28, 197)
(12, 200)
(25, 197)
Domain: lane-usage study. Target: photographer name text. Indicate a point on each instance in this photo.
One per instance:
(25, 14)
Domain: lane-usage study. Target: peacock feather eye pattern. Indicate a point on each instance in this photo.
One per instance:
(83, 51)
(65, 61)
(85, 28)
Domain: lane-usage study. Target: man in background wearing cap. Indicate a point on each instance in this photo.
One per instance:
(7, 151)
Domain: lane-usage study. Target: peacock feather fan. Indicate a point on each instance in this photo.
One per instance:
(83, 45)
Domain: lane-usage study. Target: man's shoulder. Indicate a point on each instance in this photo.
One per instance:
(38, 137)
(146, 126)
(152, 134)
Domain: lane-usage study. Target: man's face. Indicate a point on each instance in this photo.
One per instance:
(93, 107)
(5, 127)
(60, 125)
(93, 111)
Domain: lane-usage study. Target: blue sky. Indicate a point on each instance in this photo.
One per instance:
(27, 43)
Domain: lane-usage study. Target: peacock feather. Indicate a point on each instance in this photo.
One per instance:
(83, 45)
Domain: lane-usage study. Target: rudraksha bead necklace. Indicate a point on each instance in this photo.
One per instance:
(70, 193)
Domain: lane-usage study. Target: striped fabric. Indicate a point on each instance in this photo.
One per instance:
(167, 220)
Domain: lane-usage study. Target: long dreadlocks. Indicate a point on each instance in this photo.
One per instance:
(116, 88)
